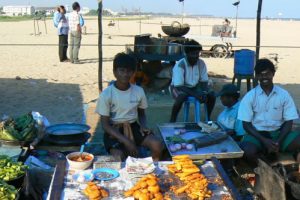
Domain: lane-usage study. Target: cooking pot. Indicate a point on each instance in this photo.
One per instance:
(158, 46)
(141, 43)
(174, 49)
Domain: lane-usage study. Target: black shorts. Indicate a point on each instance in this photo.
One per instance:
(112, 143)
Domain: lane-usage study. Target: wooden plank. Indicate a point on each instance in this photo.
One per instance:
(57, 184)
(232, 189)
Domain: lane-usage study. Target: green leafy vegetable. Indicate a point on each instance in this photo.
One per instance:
(7, 192)
(175, 139)
(10, 169)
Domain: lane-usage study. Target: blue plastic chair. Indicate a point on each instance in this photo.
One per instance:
(197, 110)
(244, 62)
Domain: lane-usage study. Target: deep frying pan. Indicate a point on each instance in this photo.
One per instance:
(66, 129)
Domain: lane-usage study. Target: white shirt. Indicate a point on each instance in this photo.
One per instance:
(267, 113)
(189, 76)
(73, 19)
(121, 106)
(228, 119)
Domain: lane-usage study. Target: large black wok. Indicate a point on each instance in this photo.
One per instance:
(176, 29)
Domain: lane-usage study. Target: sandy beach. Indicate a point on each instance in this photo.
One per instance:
(59, 90)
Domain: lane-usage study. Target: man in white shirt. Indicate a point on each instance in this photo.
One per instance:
(75, 32)
(267, 112)
(190, 78)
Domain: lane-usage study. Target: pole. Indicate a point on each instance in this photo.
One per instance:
(45, 25)
(182, 12)
(34, 27)
(100, 85)
(258, 19)
(38, 26)
(200, 26)
(140, 20)
(236, 17)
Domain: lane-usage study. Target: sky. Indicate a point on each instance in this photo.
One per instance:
(219, 8)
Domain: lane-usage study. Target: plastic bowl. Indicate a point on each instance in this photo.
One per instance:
(79, 165)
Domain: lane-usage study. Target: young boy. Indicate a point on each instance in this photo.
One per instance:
(229, 96)
(122, 109)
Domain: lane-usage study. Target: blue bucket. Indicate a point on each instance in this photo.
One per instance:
(244, 62)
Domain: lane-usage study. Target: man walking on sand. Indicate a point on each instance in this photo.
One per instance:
(75, 32)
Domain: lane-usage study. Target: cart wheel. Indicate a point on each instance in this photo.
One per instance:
(219, 51)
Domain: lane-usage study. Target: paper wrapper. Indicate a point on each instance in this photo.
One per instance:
(139, 165)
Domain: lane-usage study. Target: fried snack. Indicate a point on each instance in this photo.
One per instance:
(104, 193)
(94, 192)
(194, 183)
(144, 196)
(158, 195)
(146, 188)
(181, 157)
(154, 189)
(128, 193)
(151, 182)
(137, 194)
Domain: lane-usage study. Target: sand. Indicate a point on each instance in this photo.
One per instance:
(59, 90)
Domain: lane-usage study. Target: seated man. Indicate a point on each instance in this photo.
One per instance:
(226, 29)
(227, 119)
(122, 109)
(267, 112)
(190, 78)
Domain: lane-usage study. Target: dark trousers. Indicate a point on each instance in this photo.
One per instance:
(62, 47)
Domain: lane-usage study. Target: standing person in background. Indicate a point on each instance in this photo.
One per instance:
(63, 30)
(75, 21)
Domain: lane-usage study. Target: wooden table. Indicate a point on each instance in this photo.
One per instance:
(226, 149)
